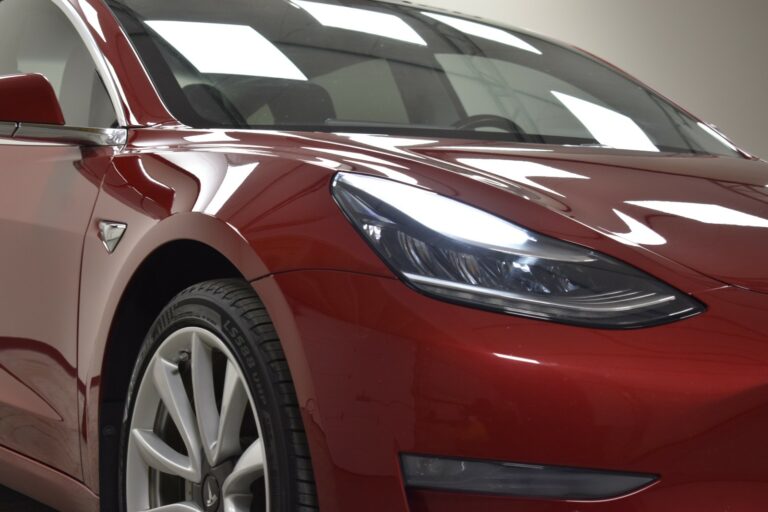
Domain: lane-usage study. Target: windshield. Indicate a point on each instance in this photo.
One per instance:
(360, 65)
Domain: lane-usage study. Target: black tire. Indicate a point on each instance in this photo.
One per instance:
(231, 310)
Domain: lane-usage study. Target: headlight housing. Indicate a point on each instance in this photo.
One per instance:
(455, 252)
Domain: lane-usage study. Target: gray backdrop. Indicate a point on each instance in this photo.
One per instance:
(710, 56)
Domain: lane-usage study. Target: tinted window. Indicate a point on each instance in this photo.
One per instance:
(382, 67)
(36, 37)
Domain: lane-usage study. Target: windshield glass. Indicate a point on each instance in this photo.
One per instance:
(360, 65)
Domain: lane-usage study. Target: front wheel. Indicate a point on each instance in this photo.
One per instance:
(212, 423)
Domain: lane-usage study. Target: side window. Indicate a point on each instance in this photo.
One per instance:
(37, 37)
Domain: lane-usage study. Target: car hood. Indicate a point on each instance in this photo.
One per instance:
(707, 213)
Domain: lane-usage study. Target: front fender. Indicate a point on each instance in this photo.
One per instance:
(263, 213)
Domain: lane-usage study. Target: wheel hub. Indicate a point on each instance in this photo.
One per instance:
(211, 494)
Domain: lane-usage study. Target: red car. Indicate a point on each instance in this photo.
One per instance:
(349, 255)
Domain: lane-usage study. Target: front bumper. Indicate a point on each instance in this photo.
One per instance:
(381, 370)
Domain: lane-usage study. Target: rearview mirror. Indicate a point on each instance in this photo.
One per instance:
(29, 98)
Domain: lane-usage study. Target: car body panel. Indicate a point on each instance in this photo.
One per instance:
(46, 485)
(268, 194)
(675, 206)
(599, 198)
(383, 370)
(163, 196)
(149, 227)
(46, 202)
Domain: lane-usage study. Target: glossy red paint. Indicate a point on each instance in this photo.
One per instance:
(49, 486)
(385, 370)
(282, 221)
(379, 368)
(672, 206)
(46, 202)
(29, 99)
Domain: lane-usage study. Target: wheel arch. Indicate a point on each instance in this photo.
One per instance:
(121, 294)
(164, 273)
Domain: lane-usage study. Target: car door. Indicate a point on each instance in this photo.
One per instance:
(47, 193)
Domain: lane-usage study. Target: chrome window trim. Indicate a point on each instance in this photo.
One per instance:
(72, 135)
(7, 129)
(103, 68)
(27, 143)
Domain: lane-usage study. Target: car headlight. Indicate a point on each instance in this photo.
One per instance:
(455, 252)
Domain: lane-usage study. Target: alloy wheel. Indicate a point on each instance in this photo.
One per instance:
(195, 442)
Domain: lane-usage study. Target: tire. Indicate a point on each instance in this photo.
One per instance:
(186, 446)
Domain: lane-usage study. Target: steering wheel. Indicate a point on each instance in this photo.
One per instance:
(492, 121)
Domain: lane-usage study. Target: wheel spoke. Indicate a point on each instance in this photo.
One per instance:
(158, 455)
(233, 405)
(249, 467)
(187, 418)
(205, 397)
(238, 503)
(170, 387)
(187, 506)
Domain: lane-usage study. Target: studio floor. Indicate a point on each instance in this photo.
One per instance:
(13, 502)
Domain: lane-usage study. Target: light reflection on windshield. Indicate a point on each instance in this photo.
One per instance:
(484, 31)
(361, 20)
(609, 128)
(210, 47)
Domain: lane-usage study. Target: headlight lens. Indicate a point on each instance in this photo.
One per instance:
(456, 252)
